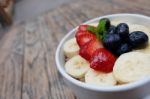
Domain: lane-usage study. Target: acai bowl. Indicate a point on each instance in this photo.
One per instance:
(134, 90)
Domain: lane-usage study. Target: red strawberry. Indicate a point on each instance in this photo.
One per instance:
(102, 60)
(87, 50)
(84, 38)
(78, 33)
(83, 28)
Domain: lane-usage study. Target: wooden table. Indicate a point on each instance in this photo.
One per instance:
(27, 50)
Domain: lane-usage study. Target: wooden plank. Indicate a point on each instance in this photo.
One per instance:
(35, 80)
(58, 89)
(10, 75)
(11, 60)
(13, 39)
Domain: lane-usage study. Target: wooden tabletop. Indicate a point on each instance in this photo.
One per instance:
(27, 50)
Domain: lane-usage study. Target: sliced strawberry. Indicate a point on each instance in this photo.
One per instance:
(78, 33)
(102, 60)
(85, 38)
(87, 50)
(83, 28)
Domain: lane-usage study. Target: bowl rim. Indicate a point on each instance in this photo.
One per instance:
(124, 87)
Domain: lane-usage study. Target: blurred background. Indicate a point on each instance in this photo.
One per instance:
(20, 10)
(25, 9)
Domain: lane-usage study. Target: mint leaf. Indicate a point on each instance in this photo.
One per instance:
(102, 27)
(91, 29)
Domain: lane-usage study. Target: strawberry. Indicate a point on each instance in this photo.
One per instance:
(84, 38)
(83, 28)
(87, 50)
(78, 33)
(102, 60)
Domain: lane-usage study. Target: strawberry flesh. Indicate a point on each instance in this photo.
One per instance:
(84, 38)
(88, 49)
(83, 28)
(102, 60)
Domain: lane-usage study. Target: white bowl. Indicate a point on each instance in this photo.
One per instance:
(135, 90)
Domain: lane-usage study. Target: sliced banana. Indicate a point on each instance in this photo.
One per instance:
(71, 48)
(137, 27)
(131, 67)
(99, 78)
(93, 24)
(115, 23)
(77, 66)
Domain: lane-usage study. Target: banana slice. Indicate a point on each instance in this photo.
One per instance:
(93, 24)
(137, 27)
(77, 66)
(131, 67)
(99, 78)
(71, 48)
(115, 23)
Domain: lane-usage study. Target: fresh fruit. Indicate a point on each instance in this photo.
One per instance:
(83, 28)
(84, 38)
(111, 30)
(99, 78)
(102, 60)
(112, 41)
(71, 48)
(87, 50)
(123, 48)
(77, 66)
(78, 33)
(138, 38)
(131, 67)
(135, 27)
(123, 30)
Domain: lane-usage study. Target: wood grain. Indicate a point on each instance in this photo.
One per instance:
(27, 50)
(11, 60)
(35, 81)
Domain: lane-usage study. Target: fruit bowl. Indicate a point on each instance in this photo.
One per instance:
(135, 90)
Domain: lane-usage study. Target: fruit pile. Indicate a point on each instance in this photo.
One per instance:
(94, 50)
(102, 44)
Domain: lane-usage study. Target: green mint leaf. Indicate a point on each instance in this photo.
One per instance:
(91, 29)
(102, 27)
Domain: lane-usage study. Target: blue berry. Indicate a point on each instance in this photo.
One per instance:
(138, 38)
(111, 30)
(123, 48)
(123, 30)
(111, 41)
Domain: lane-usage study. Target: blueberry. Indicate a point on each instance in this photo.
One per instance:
(111, 30)
(123, 48)
(111, 41)
(138, 38)
(123, 30)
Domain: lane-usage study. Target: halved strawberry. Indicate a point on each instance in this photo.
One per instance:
(78, 33)
(83, 28)
(84, 38)
(102, 60)
(87, 50)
